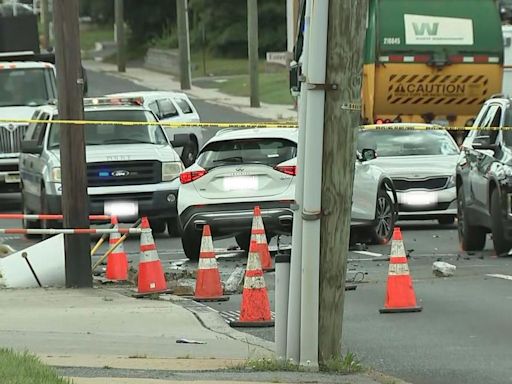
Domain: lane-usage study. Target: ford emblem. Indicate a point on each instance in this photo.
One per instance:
(120, 173)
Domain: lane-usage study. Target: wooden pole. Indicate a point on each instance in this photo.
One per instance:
(252, 40)
(346, 31)
(121, 49)
(45, 21)
(72, 143)
(184, 43)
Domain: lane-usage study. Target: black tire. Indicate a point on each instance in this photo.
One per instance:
(502, 246)
(447, 220)
(243, 240)
(189, 154)
(158, 226)
(44, 224)
(173, 228)
(382, 232)
(191, 242)
(471, 237)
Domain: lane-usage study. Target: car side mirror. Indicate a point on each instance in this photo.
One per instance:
(180, 140)
(368, 154)
(32, 147)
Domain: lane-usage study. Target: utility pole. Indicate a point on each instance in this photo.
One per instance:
(45, 21)
(252, 40)
(121, 49)
(184, 43)
(346, 31)
(72, 143)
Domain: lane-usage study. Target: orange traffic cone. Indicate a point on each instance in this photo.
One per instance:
(400, 296)
(117, 263)
(208, 285)
(255, 308)
(151, 274)
(258, 234)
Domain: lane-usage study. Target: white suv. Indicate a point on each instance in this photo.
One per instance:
(238, 169)
(176, 107)
(132, 164)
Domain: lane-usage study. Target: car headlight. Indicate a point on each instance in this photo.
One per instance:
(171, 171)
(451, 182)
(55, 175)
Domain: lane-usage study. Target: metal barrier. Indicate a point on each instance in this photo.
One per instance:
(22, 216)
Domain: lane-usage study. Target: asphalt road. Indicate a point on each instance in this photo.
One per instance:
(463, 335)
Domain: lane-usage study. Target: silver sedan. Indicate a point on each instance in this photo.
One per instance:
(421, 162)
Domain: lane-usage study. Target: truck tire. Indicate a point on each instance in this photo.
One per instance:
(243, 240)
(189, 154)
(471, 237)
(158, 226)
(28, 224)
(191, 242)
(501, 244)
(173, 228)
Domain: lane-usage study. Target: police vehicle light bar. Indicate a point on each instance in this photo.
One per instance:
(113, 101)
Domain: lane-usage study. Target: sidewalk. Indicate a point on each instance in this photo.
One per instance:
(164, 82)
(98, 336)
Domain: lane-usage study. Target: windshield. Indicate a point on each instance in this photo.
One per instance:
(110, 134)
(28, 87)
(270, 152)
(407, 143)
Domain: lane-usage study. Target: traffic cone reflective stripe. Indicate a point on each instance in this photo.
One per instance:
(208, 284)
(151, 274)
(259, 235)
(400, 296)
(117, 262)
(255, 308)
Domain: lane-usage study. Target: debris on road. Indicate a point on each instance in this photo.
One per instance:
(188, 341)
(443, 269)
(235, 282)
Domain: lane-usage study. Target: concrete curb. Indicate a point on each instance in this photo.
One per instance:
(211, 319)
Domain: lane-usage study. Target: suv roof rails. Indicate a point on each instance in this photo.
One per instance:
(497, 96)
(27, 56)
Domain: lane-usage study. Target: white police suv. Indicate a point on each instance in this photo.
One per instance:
(132, 170)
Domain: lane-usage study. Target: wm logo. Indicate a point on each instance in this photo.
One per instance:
(425, 28)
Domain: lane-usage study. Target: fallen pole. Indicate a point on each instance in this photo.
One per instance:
(22, 216)
(69, 231)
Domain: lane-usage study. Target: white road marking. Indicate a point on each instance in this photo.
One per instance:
(368, 253)
(499, 276)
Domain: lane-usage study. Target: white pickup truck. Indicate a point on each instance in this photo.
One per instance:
(25, 86)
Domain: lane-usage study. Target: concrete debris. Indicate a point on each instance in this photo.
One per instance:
(41, 265)
(443, 269)
(235, 282)
(182, 287)
(6, 250)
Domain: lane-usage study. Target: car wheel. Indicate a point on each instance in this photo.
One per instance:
(501, 244)
(44, 211)
(189, 154)
(448, 220)
(385, 219)
(173, 228)
(158, 226)
(243, 240)
(191, 242)
(471, 237)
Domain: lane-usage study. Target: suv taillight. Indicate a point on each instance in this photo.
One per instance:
(287, 169)
(190, 176)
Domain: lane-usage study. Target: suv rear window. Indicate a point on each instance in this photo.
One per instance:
(269, 151)
(184, 105)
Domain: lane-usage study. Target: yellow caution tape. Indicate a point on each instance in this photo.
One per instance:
(261, 124)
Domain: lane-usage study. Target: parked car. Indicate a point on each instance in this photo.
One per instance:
(238, 169)
(484, 180)
(421, 162)
(127, 166)
(176, 107)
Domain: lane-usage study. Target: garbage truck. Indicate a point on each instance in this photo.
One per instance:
(427, 61)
